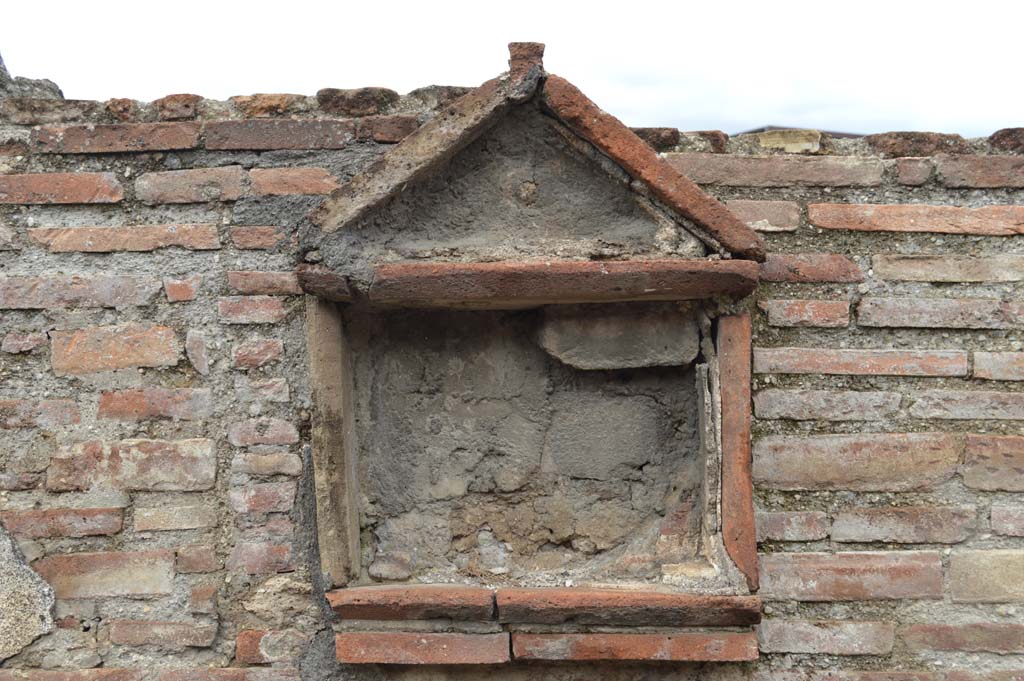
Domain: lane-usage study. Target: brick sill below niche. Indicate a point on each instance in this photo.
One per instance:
(555, 613)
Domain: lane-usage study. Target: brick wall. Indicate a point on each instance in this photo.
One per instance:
(154, 401)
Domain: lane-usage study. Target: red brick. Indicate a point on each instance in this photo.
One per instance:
(528, 284)
(197, 558)
(38, 413)
(387, 129)
(1008, 139)
(852, 576)
(826, 405)
(523, 57)
(252, 354)
(778, 171)
(365, 101)
(791, 526)
(13, 146)
(257, 558)
(182, 290)
(168, 516)
(990, 675)
(262, 105)
(981, 171)
(739, 533)
(279, 527)
(176, 107)
(220, 674)
(195, 350)
(108, 574)
(984, 220)
(418, 602)
(968, 405)
(810, 268)
(323, 283)
(399, 647)
(105, 348)
(262, 389)
(192, 186)
(660, 139)
(143, 465)
(870, 462)
(262, 431)
(676, 647)
(987, 576)
(279, 134)
(951, 268)
(202, 600)
(185, 404)
(16, 482)
(271, 463)
(842, 675)
(826, 637)
(164, 634)
(905, 525)
(62, 522)
(1008, 520)
(999, 366)
(104, 674)
(122, 108)
(767, 216)
(937, 313)
(138, 238)
(976, 637)
(46, 188)
(289, 181)
(814, 313)
(893, 144)
(17, 342)
(104, 139)
(264, 283)
(914, 172)
(251, 310)
(247, 647)
(257, 238)
(860, 362)
(556, 605)
(994, 463)
(262, 498)
(92, 290)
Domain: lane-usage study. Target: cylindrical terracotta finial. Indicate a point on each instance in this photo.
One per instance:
(523, 56)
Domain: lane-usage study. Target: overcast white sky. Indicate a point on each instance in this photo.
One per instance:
(852, 66)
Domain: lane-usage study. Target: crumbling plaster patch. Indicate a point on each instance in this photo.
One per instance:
(26, 601)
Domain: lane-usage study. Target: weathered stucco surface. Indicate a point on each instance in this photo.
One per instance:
(26, 601)
(522, 190)
(482, 456)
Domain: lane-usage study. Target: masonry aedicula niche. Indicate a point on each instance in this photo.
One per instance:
(532, 399)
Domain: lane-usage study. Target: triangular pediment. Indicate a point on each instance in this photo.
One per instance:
(525, 188)
(523, 167)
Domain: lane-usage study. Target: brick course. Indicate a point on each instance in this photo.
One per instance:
(852, 576)
(51, 188)
(427, 648)
(109, 574)
(868, 462)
